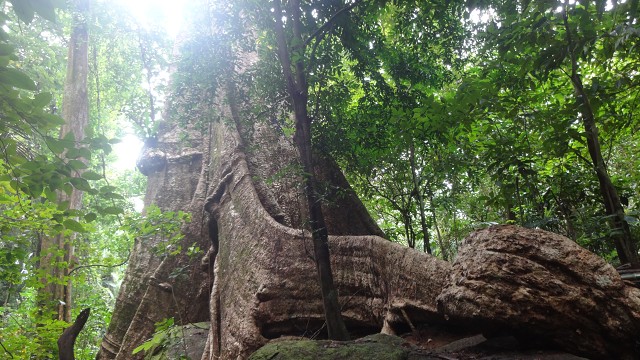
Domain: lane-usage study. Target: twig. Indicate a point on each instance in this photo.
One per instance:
(406, 318)
(100, 265)
(5, 350)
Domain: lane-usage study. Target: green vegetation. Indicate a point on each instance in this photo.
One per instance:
(37, 169)
(445, 116)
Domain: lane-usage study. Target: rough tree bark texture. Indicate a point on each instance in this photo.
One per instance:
(298, 89)
(151, 291)
(545, 289)
(75, 111)
(265, 280)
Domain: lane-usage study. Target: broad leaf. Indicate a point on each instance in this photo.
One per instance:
(73, 225)
(17, 79)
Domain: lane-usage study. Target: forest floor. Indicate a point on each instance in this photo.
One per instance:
(437, 343)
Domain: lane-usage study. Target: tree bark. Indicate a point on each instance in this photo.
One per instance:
(443, 250)
(264, 283)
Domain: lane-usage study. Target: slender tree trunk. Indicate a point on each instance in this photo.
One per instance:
(445, 253)
(408, 229)
(297, 88)
(627, 251)
(519, 200)
(509, 214)
(55, 296)
(418, 194)
(75, 110)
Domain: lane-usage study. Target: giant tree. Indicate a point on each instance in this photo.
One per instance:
(251, 186)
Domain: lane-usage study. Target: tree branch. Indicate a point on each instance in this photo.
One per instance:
(283, 49)
(5, 350)
(330, 22)
(68, 338)
(99, 265)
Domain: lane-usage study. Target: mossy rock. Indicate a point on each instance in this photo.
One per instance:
(180, 342)
(372, 347)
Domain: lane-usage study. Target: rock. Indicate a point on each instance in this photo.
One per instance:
(545, 289)
(373, 347)
(180, 342)
(386, 347)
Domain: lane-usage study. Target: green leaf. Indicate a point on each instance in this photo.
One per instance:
(76, 153)
(6, 49)
(42, 99)
(68, 188)
(17, 79)
(108, 188)
(63, 205)
(55, 145)
(84, 153)
(77, 164)
(73, 225)
(112, 196)
(14, 185)
(91, 175)
(80, 184)
(50, 195)
(111, 210)
(89, 217)
(4, 61)
(70, 137)
(53, 120)
(46, 9)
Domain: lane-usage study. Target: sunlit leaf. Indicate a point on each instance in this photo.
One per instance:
(77, 164)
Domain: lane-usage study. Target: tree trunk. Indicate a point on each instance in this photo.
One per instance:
(418, 194)
(297, 88)
(56, 296)
(443, 249)
(621, 233)
(258, 280)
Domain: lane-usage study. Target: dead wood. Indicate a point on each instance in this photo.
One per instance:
(67, 340)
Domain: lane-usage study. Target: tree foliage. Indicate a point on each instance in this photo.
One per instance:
(37, 167)
(445, 116)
